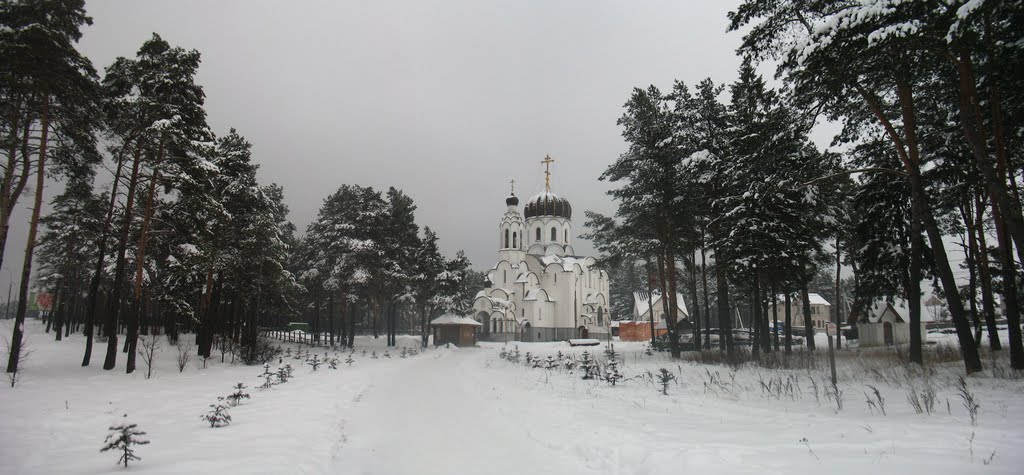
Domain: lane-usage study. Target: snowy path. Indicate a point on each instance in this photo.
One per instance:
(428, 416)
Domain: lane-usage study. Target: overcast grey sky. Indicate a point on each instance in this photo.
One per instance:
(446, 100)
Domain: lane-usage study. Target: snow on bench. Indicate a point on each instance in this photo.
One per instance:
(584, 342)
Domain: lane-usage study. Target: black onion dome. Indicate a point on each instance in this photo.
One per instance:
(548, 204)
(512, 200)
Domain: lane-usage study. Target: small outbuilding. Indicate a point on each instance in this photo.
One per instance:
(455, 329)
(888, 324)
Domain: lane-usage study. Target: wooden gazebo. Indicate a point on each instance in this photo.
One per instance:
(454, 329)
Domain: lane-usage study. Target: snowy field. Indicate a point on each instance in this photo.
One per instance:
(454, 411)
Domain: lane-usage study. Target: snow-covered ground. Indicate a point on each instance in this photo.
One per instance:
(453, 411)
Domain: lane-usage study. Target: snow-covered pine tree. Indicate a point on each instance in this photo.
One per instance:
(550, 362)
(587, 365)
(235, 398)
(268, 377)
(218, 414)
(332, 363)
(54, 95)
(665, 377)
(122, 438)
(283, 375)
(611, 371)
(314, 361)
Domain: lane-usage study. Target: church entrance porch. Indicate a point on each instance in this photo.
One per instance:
(583, 332)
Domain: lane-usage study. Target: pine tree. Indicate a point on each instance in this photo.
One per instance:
(235, 398)
(664, 378)
(49, 89)
(123, 436)
(218, 416)
(588, 366)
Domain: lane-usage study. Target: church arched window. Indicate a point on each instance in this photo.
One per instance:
(504, 276)
(567, 236)
(506, 238)
(600, 316)
(554, 235)
(538, 234)
(514, 243)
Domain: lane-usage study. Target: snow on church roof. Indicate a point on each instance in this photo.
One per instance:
(566, 261)
(452, 319)
(814, 298)
(532, 295)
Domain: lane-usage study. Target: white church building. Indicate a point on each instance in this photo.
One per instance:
(540, 290)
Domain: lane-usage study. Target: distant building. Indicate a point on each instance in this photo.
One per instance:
(820, 309)
(888, 324)
(639, 328)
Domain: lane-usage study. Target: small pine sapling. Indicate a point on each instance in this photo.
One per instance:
(529, 359)
(315, 362)
(503, 354)
(568, 363)
(537, 362)
(405, 352)
(349, 360)
(550, 363)
(611, 372)
(332, 363)
(288, 352)
(268, 377)
(218, 415)
(664, 378)
(121, 438)
(609, 351)
(587, 365)
(386, 354)
(239, 393)
(648, 351)
(374, 356)
(288, 369)
(282, 375)
(364, 352)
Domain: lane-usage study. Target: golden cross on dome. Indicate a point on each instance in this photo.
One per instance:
(547, 171)
(512, 182)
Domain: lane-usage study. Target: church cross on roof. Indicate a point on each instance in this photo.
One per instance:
(547, 171)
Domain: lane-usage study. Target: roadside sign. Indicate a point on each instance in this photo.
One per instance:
(830, 328)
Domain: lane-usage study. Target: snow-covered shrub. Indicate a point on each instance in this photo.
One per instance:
(121, 438)
(148, 346)
(386, 354)
(374, 355)
(664, 378)
(218, 415)
(550, 362)
(349, 360)
(184, 355)
(258, 352)
(503, 354)
(514, 356)
(405, 352)
(648, 351)
(235, 398)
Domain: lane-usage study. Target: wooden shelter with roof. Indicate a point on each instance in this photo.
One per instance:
(457, 330)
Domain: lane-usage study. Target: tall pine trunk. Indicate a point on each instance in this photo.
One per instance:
(140, 266)
(988, 305)
(110, 328)
(30, 244)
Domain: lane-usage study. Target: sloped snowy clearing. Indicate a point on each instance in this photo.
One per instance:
(454, 411)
